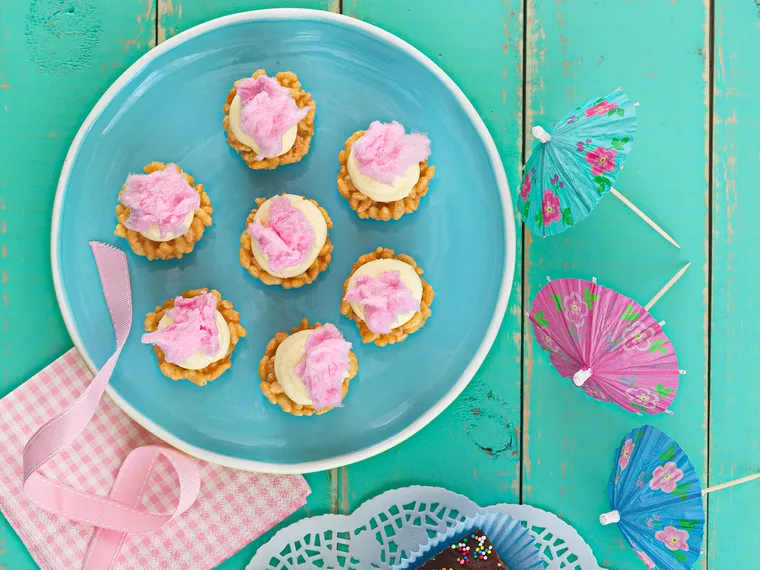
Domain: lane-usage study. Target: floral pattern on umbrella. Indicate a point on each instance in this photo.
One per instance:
(566, 177)
(656, 492)
(586, 327)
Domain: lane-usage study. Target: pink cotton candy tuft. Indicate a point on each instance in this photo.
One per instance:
(287, 237)
(162, 198)
(268, 113)
(194, 329)
(384, 298)
(324, 366)
(384, 152)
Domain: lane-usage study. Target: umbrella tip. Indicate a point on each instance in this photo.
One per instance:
(682, 371)
(636, 104)
(580, 377)
(541, 134)
(610, 518)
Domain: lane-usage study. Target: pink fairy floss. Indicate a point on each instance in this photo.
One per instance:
(163, 198)
(194, 329)
(324, 366)
(384, 152)
(287, 237)
(268, 112)
(384, 298)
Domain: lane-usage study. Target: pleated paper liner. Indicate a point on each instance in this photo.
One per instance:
(509, 537)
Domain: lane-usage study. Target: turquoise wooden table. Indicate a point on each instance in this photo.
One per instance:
(518, 433)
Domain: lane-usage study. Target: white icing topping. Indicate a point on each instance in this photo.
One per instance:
(154, 234)
(290, 352)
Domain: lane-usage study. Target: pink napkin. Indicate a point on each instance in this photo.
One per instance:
(233, 507)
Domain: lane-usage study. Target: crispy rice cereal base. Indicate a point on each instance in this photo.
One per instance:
(273, 390)
(248, 261)
(215, 369)
(413, 325)
(365, 206)
(178, 246)
(305, 126)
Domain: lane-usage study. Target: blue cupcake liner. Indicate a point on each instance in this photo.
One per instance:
(509, 537)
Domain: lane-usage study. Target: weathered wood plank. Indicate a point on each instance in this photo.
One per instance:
(659, 52)
(734, 422)
(175, 16)
(56, 59)
(474, 446)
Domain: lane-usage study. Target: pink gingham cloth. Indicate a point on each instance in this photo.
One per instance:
(233, 507)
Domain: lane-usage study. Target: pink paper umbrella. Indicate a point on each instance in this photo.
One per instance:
(608, 344)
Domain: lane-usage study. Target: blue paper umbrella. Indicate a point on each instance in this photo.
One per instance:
(656, 499)
(575, 164)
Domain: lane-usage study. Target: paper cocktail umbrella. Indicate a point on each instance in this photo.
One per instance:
(656, 498)
(575, 164)
(607, 343)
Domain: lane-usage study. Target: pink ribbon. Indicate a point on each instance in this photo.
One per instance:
(118, 514)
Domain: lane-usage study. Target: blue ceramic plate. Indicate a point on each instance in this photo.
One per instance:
(168, 107)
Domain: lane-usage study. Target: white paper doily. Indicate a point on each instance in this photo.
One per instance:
(383, 530)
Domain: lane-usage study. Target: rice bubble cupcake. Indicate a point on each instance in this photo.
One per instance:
(286, 241)
(162, 213)
(194, 335)
(307, 371)
(269, 121)
(386, 297)
(384, 172)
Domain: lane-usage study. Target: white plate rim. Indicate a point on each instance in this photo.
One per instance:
(509, 235)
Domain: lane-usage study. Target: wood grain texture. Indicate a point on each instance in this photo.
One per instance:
(56, 59)
(734, 425)
(659, 52)
(175, 16)
(474, 446)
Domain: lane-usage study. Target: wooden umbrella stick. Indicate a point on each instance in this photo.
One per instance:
(746, 479)
(667, 286)
(644, 217)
